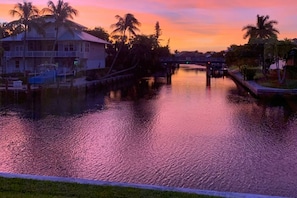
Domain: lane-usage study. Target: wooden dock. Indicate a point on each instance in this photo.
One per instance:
(69, 84)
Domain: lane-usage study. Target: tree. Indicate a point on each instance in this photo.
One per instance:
(99, 32)
(61, 12)
(28, 15)
(278, 51)
(263, 30)
(147, 53)
(4, 30)
(241, 55)
(127, 23)
(158, 31)
(261, 33)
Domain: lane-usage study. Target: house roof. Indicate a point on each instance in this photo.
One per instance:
(77, 34)
(81, 36)
(18, 37)
(51, 19)
(67, 36)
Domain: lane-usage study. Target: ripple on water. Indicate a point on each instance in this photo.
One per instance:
(187, 136)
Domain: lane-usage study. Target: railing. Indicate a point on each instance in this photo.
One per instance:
(192, 59)
(12, 54)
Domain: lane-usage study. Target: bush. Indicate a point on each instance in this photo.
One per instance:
(291, 72)
(248, 72)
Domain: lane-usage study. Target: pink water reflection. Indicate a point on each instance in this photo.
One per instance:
(184, 135)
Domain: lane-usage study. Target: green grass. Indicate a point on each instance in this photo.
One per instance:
(271, 80)
(289, 84)
(25, 188)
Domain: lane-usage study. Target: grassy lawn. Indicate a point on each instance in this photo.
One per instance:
(289, 84)
(271, 80)
(24, 188)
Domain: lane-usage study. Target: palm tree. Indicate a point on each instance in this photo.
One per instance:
(259, 34)
(4, 32)
(27, 14)
(61, 12)
(127, 23)
(263, 30)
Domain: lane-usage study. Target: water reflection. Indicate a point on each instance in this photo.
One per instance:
(183, 134)
(69, 103)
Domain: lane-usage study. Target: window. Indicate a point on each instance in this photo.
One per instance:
(49, 47)
(87, 47)
(17, 64)
(18, 48)
(69, 47)
(65, 47)
(31, 46)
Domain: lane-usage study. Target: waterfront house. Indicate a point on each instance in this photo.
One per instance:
(74, 49)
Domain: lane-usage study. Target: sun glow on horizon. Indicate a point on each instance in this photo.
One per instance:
(187, 25)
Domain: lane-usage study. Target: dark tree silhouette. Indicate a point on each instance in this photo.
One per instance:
(61, 12)
(27, 15)
(127, 23)
(263, 30)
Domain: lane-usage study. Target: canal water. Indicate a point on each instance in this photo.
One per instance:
(182, 134)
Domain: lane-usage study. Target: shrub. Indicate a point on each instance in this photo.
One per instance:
(248, 72)
(291, 72)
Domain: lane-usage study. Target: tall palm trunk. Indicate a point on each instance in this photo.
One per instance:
(115, 58)
(54, 45)
(117, 54)
(281, 77)
(264, 69)
(24, 51)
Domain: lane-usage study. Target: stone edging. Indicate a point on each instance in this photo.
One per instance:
(140, 186)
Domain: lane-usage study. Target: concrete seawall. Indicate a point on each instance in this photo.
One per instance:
(261, 91)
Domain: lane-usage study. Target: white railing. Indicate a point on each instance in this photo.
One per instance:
(41, 54)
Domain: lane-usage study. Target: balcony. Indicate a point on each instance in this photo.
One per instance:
(43, 54)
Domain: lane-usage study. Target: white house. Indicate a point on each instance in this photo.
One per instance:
(74, 49)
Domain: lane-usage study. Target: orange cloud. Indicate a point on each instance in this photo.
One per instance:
(188, 24)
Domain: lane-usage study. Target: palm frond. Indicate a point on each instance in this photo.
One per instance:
(263, 30)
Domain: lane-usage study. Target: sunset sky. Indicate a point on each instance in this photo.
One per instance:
(207, 25)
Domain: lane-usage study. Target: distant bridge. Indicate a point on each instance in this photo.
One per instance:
(215, 67)
(193, 60)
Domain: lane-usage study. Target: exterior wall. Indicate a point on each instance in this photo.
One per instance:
(90, 55)
(10, 66)
(15, 65)
(96, 56)
(93, 54)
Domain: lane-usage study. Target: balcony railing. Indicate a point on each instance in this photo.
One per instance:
(41, 54)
